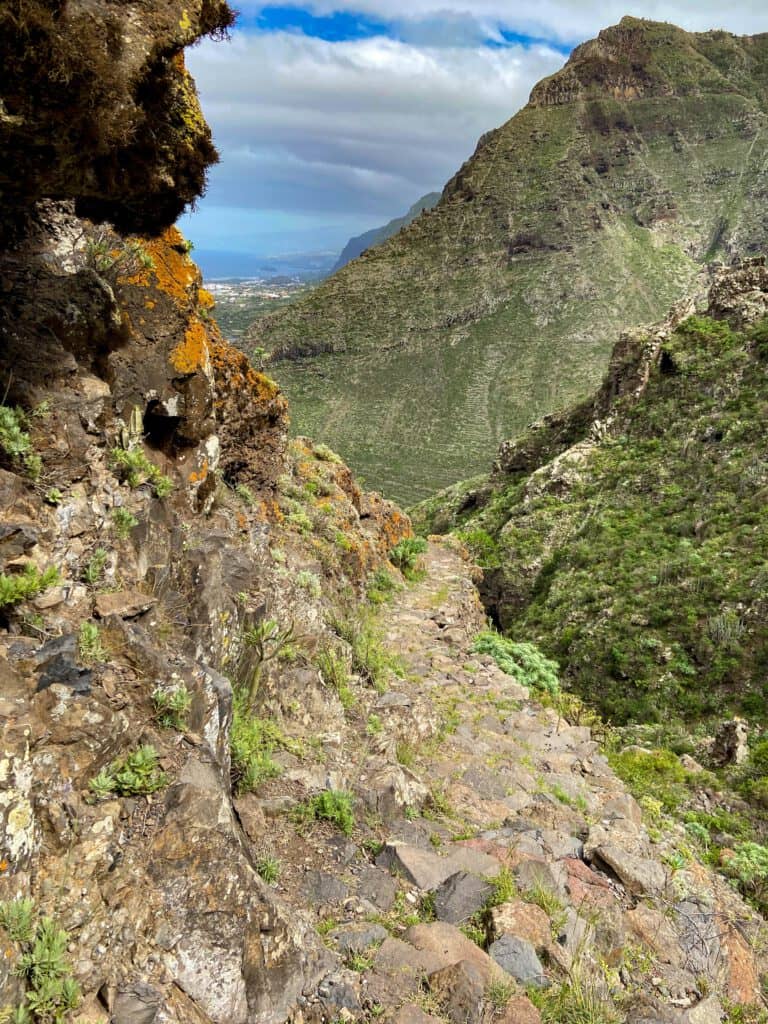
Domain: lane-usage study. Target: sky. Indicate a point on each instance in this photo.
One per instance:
(334, 116)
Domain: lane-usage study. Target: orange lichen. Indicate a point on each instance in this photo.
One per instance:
(149, 304)
(204, 299)
(173, 271)
(201, 476)
(233, 366)
(191, 355)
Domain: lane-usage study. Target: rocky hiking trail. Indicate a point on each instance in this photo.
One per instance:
(499, 863)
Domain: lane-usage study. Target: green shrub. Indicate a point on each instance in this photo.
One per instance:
(330, 805)
(524, 661)
(25, 585)
(333, 669)
(51, 992)
(124, 521)
(268, 869)
(133, 466)
(15, 442)
(657, 774)
(89, 644)
(748, 867)
(381, 587)
(245, 494)
(94, 570)
(310, 582)
(326, 454)
(137, 774)
(172, 706)
(405, 555)
(253, 741)
(17, 917)
(268, 640)
(370, 659)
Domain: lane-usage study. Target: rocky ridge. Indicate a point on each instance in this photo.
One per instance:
(595, 207)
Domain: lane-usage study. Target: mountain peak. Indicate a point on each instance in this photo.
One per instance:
(639, 58)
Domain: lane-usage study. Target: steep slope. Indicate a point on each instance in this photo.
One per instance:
(594, 207)
(357, 245)
(628, 536)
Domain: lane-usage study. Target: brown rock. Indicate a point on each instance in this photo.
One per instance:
(524, 920)
(655, 931)
(412, 1014)
(126, 604)
(520, 1010)
(461, 991)
(450, 945)
(743, 979)
(586, 887)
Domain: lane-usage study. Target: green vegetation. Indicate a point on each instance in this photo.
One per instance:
(94, 569)
(333, 669)
(504, 888)
(136, 774)
(246, 495)
(268, 868)
(253, 741)
(381, 587)
(643, 578)
(370, 659)
(17, 918)
(133, 466)
(89, 645)
(267, 640)
(172, 706)
(15, 442)
(406, 554)
(579, 1000)
(52, 994)
(331, 805)
(25, 585)
(124, 521)
(524, 661)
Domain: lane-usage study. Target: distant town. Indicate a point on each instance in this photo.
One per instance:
(240, 302)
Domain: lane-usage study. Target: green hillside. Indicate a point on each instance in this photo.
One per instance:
(593, 208)
(629, 536)
(356, 246)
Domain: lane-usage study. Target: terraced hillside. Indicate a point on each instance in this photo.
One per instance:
(595, 207)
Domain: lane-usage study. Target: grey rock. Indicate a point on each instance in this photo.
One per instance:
(56, 662)
(699, 934)
(377, 886)
(638, 873)
(322, 887)
(518, 958)
(358, 938)
(138, 1004)
(708, 1011)
(461, 896)
(337, 993)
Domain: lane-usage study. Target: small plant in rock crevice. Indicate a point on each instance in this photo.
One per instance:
(133, 466)
(124, 521)
(89, 645)
(268, 640)
(268, 868)
(15, 442)
(51, 992)
(332, 806)
(136, 774)
(172, 706)
(25, 585)
(94, 569)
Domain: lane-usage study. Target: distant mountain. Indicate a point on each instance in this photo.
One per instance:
(594, 208)
(356, 246)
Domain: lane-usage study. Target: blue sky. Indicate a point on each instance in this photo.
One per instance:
(331, 117)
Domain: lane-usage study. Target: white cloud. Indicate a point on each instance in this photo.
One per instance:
(345, 129)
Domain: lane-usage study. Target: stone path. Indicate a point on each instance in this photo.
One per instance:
(502, 856)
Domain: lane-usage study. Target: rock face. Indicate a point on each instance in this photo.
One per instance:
(593, 209)
(97, 107)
